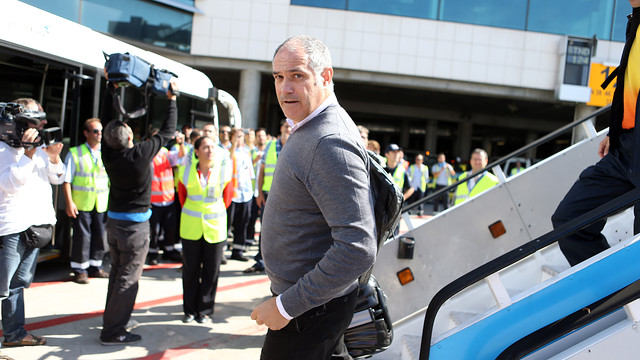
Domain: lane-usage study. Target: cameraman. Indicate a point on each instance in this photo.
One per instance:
(129, 210)
(26, 175)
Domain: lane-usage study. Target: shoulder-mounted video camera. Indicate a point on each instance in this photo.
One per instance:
(14, 120)
(130, 70)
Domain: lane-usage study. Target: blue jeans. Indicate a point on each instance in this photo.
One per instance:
(17, 267)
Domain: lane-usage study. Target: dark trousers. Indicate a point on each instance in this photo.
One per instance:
(317, 334)
(128, 243)
(597, 184)
(164, 220)
(200, 275)
(239, 213)
(89, 241)
(258, 257)
(442, 199)
(253, 217)
(417, 195)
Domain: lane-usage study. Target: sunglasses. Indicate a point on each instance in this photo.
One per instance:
(96, 131)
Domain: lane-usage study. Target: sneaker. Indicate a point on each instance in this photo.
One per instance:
(188, 318)
(81, 278)
(152, 259)
(124, 339)
(201, 319)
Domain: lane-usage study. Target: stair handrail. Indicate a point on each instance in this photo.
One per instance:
(500, 161)
(610, 208)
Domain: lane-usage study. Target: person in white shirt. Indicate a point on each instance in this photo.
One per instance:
(240, 209)
(442, 173)
(26, 175)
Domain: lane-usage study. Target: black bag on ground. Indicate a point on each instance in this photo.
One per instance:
(37, 236)
(371, 329)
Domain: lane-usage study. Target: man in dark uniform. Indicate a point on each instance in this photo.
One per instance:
(619, 169)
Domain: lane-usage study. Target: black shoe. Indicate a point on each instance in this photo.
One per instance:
(188, 318)
(81, 278)
(173, 256)
(238, 256)
(124, 339)
(152, 259)
(201, 319)
(254, 269)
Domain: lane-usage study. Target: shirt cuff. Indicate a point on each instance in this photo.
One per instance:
(281, 309)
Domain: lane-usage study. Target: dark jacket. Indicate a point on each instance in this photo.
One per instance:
(129, 169)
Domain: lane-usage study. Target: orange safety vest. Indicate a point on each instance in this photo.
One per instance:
(162, 187)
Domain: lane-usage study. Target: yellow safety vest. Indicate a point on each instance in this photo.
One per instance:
(423, 180)
(486, 181)
(398, 175)
(203, 213)
(270, 161)
(90, 185)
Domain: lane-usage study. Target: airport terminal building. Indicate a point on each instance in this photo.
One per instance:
(431, 75)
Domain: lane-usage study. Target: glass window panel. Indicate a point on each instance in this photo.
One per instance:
(623, 8)
(67, 9)
(577, 17)
(508, 14)
(426, 9)
(330, 4)
(140, 20)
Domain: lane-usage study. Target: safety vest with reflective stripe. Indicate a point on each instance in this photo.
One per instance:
(398, 175)
(271, 158)
(90, 185)
(485, 182)
(203, 213)
(162, 185)
(423, 175)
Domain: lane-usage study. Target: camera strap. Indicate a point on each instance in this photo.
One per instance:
(117, 104)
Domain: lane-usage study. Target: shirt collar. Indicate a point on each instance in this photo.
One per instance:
(331, 100)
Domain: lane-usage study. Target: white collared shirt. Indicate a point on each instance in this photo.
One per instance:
(331, 100)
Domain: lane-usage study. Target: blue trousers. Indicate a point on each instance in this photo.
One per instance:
(89, 241)
(17, 267)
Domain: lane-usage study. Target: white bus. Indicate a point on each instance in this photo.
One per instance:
(60, 63)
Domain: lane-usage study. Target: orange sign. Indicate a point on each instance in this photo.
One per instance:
(597, 75)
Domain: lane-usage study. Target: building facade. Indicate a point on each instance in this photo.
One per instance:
(430, 75)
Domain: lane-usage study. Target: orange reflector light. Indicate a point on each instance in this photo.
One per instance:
(497, 229)
(405, 276)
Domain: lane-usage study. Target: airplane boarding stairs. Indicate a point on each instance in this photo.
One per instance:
(458, 240)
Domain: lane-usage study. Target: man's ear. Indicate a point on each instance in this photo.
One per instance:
(327, 76)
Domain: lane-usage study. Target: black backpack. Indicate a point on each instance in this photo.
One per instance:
(371, 329)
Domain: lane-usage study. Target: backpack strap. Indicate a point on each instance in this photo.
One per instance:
(610, 78)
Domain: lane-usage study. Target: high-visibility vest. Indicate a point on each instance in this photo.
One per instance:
(271, 158)
(203, 213)
(516, 170)
(90, 185)
(423, 176)
(486, 181)
(162, 185)
(398, 175)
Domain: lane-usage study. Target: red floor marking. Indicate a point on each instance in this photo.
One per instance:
(141, 305)
(203, 344)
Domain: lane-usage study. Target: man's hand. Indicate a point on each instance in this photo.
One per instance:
(54, 151)
(172, 92)
(72, 209)
(603, 148)
(267, 313)
(260, 199)
(29, 136)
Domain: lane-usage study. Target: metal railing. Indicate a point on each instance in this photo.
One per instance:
(504, 159)
(610, 208)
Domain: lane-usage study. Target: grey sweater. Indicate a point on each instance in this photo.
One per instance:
(318, 232)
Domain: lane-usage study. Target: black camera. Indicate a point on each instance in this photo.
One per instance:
(14, 120)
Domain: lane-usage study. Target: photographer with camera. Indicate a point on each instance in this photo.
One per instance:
(27, 171)
(128, 212)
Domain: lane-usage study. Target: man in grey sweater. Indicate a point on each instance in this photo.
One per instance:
(318, 228)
